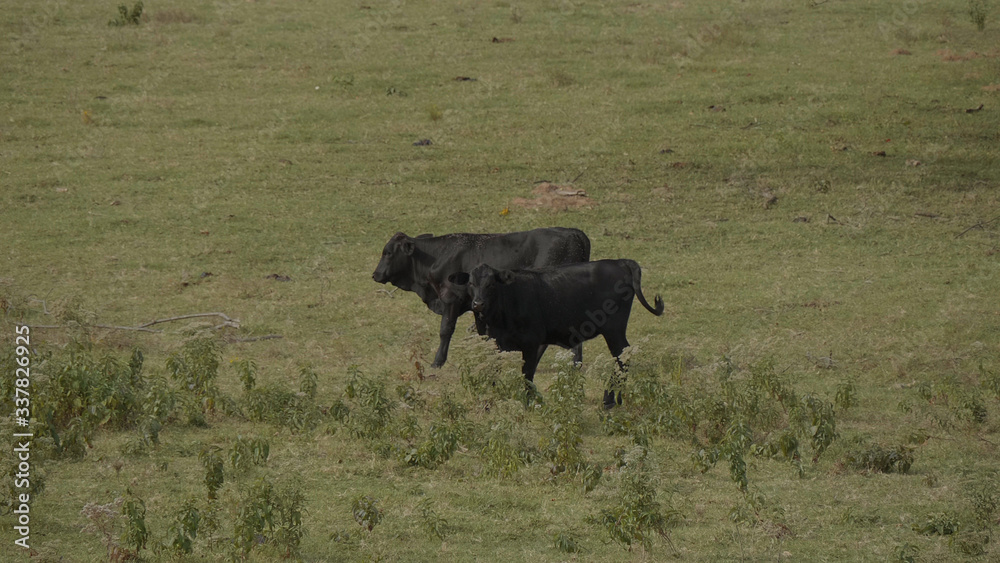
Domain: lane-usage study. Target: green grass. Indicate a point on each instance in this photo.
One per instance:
(244, 139)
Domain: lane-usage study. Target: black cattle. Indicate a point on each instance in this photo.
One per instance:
(529, 310)
(423, 264)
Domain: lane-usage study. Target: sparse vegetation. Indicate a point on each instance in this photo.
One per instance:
(127, 16)
(824, 377)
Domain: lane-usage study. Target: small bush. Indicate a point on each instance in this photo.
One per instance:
(563, 411)
(366, 512)
(434, 525)
(136, 534)
(184, 529)
(566, 542)
(878, 459)
(248, 452)
(638, 515)
(127, 16)
(195, 366)
(277, 512)
(491, 376)
(373, 414)
(82, 394)
(441, 443)
(500, 457)
(247, 370)
(211, 460)
(939, 524)
(977, 13)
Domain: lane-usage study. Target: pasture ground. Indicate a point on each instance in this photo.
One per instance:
(811, 186)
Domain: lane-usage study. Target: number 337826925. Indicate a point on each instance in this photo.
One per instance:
(22, 373)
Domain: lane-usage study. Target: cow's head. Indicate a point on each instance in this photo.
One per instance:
(395, 262)
(484, 281)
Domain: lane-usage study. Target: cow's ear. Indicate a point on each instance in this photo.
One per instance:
(459, 278)
(505, 276)
(407, 246)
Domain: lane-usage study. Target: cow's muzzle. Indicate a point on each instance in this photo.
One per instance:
(380, 278)
(477, 306)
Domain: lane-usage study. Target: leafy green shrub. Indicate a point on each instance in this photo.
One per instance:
(308, 382)
(562, 443)
(211, 460)
(297, 411)
(81, 394)
(989, 380)
(136, 534)
(372, 416)
(489, 375)
(500, 457)
(938, 524)
(366, 512)
(263, 509)
(434, 525)
(248, 452)
(247, 370)
(638, 515)
(196, 366)
(127, 16)
(878, 459)
(442, 441)
(184, 529)
(160, 401)
(288, 530)
(977, 13)
(566, 542)
(847, 395)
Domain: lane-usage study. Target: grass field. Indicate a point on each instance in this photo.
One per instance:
(811, 186)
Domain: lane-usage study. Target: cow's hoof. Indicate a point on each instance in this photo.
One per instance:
(609, 401)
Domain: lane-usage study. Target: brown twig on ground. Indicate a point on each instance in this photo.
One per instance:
(227, 321)
(979, 225)
(255, 338)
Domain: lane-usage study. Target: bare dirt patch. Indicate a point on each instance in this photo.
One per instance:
(554, 196)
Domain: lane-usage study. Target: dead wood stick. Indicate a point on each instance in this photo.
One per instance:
(979, 225)
(256, 338)
(228, 321)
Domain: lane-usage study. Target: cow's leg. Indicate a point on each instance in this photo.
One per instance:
(578, 355)
(613, 394)
(448, 320)
(531, 359)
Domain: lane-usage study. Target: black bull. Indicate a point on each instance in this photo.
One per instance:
(423, 264)
(529, 310)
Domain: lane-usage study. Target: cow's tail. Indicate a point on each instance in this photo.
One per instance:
(633, 266)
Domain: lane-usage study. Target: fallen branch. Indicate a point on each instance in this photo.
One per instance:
(227, 321)
(255, 338)
(235, 323)
(979, 225)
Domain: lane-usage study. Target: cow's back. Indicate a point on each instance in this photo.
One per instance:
(535, 249)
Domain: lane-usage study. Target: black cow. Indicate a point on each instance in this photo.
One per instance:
(528, 310)
(423, 264)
